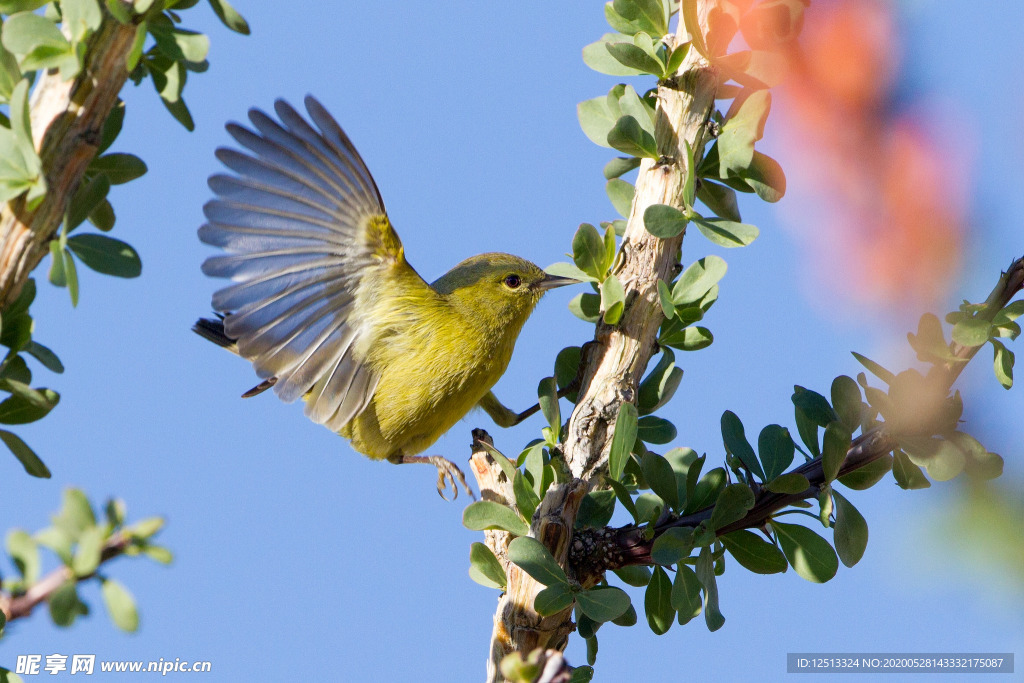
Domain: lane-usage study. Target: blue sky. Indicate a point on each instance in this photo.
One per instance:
(297, 558)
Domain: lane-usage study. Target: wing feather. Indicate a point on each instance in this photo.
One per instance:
(299, 225)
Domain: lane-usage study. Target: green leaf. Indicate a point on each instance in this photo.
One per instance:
(26, 32)
(634, 575)
(658, 602)
(627, 618)
(675, 544)
(651, 15)
(765, 176)
(24, 551)
(865, 477)
(688, 15)
(754, 553)
(776, 449)
(563, 269)
(71, 276)
(814, 406)
(596, 509)
(120, 605)
(17, 409)
(106, 255)
(633, 57)
(631, 104)
(688, 339)
(65, 605)
(664, 221)
(720, 199)
(621, 195)
(146, 528)
(45, 356)
(736, 441)
(87, 556)
(809, 554)
(685, 596)
(908, 475)
(1002, 363)
(658, 473)
(588, 251)
(706, 491)
(598, 58)
(158, 554)
(603, 603)
(628, 136)
(942, 459)
(619, 166)
(131, 60)
(698, 279)
(732, 505)
(25, 455)
(613, 299)
(76, 514)
(834, 448)
(484, 567)
(660, 384)
(622, 440)
(567, 364)
(80, 17)
(547, 397)
(706, 575)
(531, 555)
(846, 401)
(794, 482)
(665, 300)
(656, 430)
(875, 369)
(527, 499)
(103, 216)
(88, 197)
(118, 167)
(597, 116)
(229, 16)
(10, 74)
(972, 332)
(622, 495)
(743, 128)
(486, 514)
(586, 307)
(553, 599)
(851, 531)
(726, 233)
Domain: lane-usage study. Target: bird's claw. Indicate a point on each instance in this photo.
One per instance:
(449, 474)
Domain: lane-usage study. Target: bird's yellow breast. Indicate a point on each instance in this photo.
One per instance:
(435, 365)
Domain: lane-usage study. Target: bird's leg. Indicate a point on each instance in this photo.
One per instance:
(448, 473)
(506, 417)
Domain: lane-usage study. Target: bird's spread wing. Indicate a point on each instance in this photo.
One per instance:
(304, 229)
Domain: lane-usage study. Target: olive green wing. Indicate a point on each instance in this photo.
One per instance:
(305, 235)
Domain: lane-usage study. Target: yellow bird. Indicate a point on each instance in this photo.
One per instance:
(325, 306)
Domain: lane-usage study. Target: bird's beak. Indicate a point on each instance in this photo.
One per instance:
(552, 281)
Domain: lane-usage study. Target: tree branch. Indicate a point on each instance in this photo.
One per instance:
(67, 121)
(20, 606)
(595, 551)
(614, 365)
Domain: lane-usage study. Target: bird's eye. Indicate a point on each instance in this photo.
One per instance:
(512, 281)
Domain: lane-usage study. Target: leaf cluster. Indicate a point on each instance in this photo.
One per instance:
(82, 542)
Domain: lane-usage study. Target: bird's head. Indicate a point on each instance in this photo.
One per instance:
(500, 285)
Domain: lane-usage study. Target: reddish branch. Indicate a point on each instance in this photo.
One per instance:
(19, 606)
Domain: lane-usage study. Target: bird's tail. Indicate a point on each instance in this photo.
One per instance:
(213, 330)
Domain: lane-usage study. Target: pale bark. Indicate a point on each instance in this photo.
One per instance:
(67, 122)
(615, 364)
